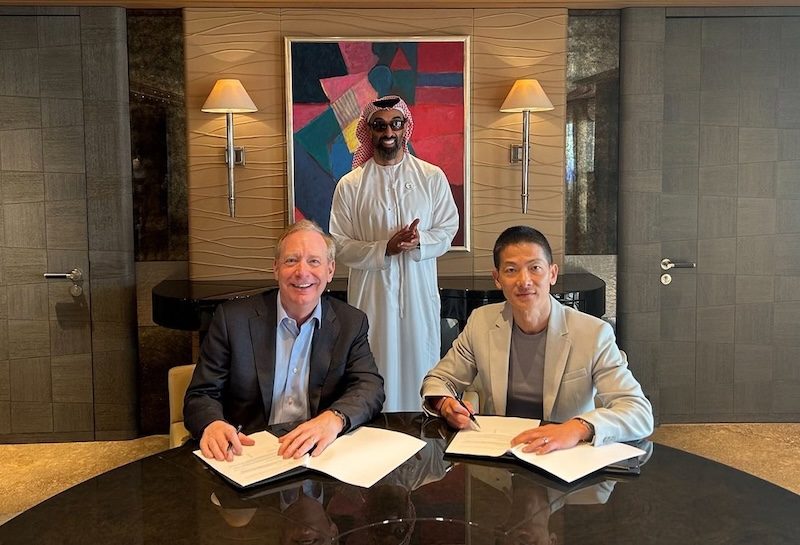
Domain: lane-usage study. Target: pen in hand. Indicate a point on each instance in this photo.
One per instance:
(238, 430)
(457, 396)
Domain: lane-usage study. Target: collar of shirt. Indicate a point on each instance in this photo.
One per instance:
(291, 323)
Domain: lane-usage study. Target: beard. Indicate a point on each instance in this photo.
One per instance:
(384, 153)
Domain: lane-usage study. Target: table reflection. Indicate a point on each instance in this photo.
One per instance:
(306, 520)
(520, 509)
(430, 499)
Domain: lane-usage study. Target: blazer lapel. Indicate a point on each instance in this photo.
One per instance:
(499, 350)
(262, 335)
(555, 356)
(321, 350)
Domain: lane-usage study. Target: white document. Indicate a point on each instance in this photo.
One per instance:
(494, 439)
(361, 457)
(578, 461)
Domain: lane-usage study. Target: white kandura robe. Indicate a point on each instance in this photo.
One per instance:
(398, 293)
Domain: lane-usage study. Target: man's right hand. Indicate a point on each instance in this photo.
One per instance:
(312, 436)
(452, 411)
(221, 442)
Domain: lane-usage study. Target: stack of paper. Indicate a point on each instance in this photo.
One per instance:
(361, 457)
(494, 437)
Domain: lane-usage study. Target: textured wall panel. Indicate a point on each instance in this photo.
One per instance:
(245, 45)
(248, 45)
(510, 45)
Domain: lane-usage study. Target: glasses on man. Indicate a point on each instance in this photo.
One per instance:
(379, 125)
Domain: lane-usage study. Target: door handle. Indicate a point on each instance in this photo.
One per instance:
(75, 275)
(667, 264)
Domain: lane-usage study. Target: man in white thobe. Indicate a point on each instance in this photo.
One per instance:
(392, 216)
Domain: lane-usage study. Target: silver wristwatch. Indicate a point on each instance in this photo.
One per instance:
(342, 417)
(588, 425)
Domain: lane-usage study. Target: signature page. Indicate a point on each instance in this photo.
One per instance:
(493, 438)
(578, 461)
(366, 455)
(256, 463)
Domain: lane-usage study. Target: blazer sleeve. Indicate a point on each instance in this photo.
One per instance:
(362, 396)
(457, 369)
(203, 402)
(624, 414)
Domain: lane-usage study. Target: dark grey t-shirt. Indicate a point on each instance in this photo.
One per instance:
(526, 374)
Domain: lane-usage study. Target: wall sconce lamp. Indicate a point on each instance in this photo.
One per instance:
(229, 97)
(526, 96)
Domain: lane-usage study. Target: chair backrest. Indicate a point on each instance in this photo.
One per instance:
(450, 330)
(177, 382)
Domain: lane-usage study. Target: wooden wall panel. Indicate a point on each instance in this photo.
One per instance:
(510, 45)
(376, 22)
(243, 44)
(248, 44)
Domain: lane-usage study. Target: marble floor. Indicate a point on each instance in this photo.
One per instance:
(33, 473)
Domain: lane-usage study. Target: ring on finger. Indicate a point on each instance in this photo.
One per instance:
(545, 440)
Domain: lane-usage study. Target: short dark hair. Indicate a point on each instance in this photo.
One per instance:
(521, 234)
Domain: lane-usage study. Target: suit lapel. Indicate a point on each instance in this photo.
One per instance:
(555, 356)
(321, 350)
(262, 335)
(499, 350)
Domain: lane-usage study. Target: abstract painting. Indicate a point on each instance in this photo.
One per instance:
(330, 80)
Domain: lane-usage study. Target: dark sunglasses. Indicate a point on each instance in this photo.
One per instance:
(379, 125)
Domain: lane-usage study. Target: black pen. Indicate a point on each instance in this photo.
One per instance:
(461, 402)
(238, 429)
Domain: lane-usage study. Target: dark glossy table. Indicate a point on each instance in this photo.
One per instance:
(172, 498)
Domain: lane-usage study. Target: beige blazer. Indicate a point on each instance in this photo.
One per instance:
(585, 374)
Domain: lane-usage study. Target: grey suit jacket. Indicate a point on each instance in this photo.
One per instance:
(583, 368)
(234, 376)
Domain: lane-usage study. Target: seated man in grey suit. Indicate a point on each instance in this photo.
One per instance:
(285, 355)
(533, 357)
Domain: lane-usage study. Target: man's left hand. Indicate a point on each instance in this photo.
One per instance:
(412, 240)
(550, 437)
(412, 244)
(404, 240)
(317, 433)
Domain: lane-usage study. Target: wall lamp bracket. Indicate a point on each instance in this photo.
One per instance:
(238, 156)
(516, 154)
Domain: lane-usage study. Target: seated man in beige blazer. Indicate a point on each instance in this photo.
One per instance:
(535, 358)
